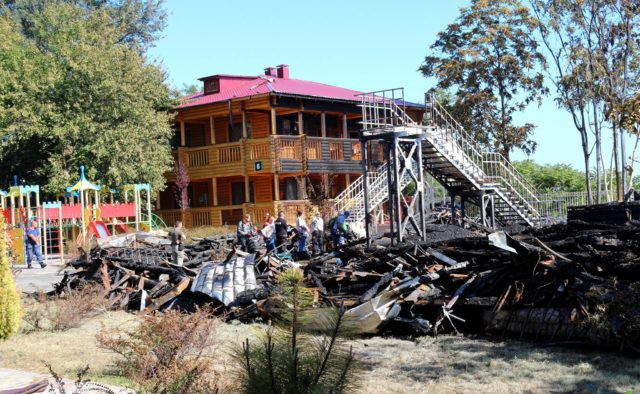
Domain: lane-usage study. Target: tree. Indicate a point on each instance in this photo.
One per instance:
(10, 310)
(189, 89)
(595, 44)
(78, 93)
(490, 57)
(139, 23)
(181, 184)
(552, 177)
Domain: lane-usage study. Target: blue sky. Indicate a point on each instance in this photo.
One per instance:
(363, 45)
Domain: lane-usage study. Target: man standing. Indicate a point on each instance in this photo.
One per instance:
(246, 230)
(317, 234)
(33, 245)
(339, 229)
(177, 239)
(303, 233)
(281, 232)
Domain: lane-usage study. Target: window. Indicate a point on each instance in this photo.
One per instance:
(211, 86)
(237, 193)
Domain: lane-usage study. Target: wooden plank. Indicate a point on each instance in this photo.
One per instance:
(174, 292)
(105, 277)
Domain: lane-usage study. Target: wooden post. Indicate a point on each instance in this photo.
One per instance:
(158, 201)
(325, 186)
(323, 125)
(214, 186)
(212, 130)
(345, 133)
(43, 220)
(303, 185)
(183, 135)
(246, 189)
(347, 180)
(276, 186)
(273, 121)
(244, 124)
(300, 125)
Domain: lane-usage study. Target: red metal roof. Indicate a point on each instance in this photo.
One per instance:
(267, 84)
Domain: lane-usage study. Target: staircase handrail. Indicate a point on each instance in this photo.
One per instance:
(346, 198)
(497, 167)
(445, 123)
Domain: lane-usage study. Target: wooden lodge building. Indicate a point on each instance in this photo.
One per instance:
(262, 144)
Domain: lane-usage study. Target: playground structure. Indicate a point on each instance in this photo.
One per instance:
(78, 214)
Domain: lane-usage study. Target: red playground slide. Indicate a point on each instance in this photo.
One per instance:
(99, 229)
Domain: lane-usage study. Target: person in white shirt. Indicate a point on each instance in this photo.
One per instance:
(317, 234)
(303, 233)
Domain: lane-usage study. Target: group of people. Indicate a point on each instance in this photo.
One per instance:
(276, 235)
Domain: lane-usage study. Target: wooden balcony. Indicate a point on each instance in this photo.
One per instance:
(276, 153)
(333, 155)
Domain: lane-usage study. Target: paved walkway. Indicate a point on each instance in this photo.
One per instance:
(36, 278)
(13, 379)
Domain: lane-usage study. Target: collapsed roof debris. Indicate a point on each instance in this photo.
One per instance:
(568, 283)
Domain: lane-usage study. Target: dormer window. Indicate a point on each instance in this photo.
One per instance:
(211, 86)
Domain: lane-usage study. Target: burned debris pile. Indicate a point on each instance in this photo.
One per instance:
(568, 283)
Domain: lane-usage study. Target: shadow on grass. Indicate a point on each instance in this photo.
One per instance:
(502, 364)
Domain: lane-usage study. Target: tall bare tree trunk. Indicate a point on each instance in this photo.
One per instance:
(596, 129)
(617, 162)
(586, 154)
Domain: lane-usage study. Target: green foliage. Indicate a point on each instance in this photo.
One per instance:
(76, 89)
(552, 177)
(490, 58)
(304, 352)
(10, 310)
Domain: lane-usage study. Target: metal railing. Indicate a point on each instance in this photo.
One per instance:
(499, 170)
(453, 138)
(380, 109)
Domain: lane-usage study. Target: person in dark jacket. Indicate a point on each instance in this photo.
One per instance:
(33, 245)
(281, 232)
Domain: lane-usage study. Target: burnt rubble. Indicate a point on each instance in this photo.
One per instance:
(575, 283)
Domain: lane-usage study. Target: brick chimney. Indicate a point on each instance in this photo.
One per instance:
(283, 71)
(270, 71)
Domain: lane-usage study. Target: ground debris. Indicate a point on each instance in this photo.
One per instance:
(568, 283)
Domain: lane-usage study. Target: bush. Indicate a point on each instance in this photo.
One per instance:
(65, 311)
(166, 353)
(10, 310)
(303, 353)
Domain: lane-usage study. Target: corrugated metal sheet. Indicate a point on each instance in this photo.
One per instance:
(224, 281)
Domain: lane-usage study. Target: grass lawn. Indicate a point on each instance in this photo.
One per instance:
(450, 364)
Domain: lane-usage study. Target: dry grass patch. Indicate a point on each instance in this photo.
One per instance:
(62, 312)
(459, 364)
(68, 351)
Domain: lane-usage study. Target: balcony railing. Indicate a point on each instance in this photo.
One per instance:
(198, 158)
(229, 154)
(288, 147)
(260, 150)
(314, 150)
(336, 150)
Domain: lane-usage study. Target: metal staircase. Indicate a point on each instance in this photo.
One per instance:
(450, 155)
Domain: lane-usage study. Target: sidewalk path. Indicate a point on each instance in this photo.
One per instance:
(36, 278)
